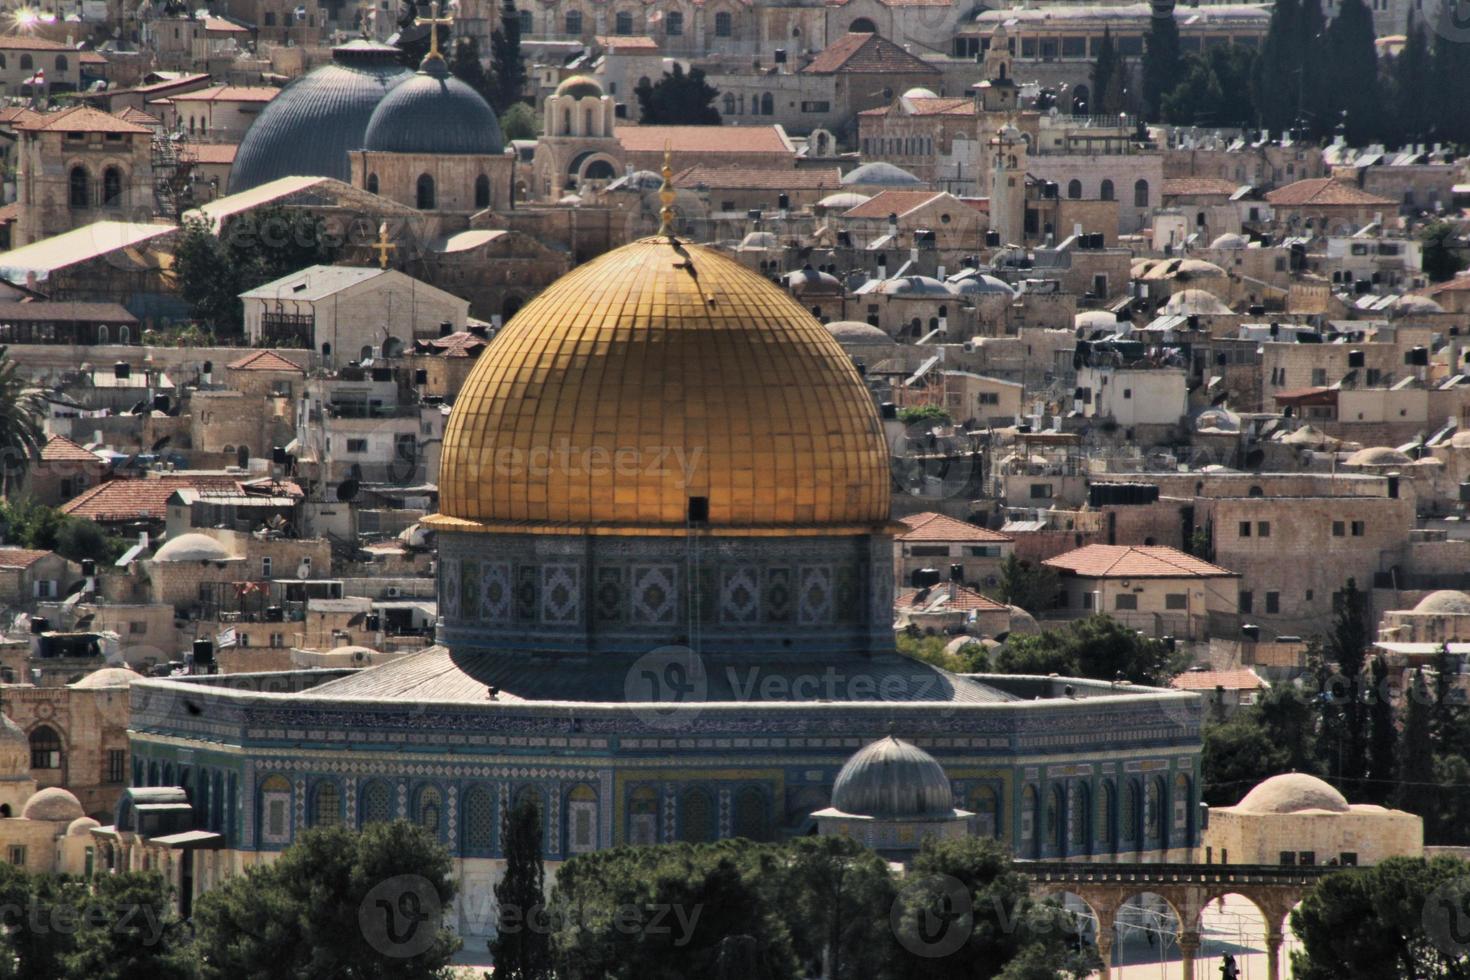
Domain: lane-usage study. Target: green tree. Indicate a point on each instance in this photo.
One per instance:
(1416, 754)
(1097, 647)
(931, 414)
(1440, 255)
(1411, 118)
(1345, 708)
(134, 933)
(1276, 91)
(1213, 89)
(1352, 75)
(507, 65)
(1237, 754)
(80, 539)
(521, 950)
(840, 892)
(1010, 935)
(1031, 587)
(1109, 77)
(338, 904)
(677, 99)
(1163, 67)
(520, 122)
(466, 65)
(39, 949)
(21, 411)
(1370, 924)
(1450, 67)
(1383, 736)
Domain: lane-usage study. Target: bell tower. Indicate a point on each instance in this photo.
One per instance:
(1008, 185)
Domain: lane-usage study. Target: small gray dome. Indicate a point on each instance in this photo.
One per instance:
(434, 112)
(914, 286)
(980, 285)
(809, 280)
(308, 130)
(851, 333)
(881, 174)
(892, 778)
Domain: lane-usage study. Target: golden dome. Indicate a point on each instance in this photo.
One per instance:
(652, 375)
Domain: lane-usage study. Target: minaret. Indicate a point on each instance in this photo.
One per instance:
(1008, 185)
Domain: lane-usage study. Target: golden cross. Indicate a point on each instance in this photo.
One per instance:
(666, 193)
(434, 21)
(383, 246)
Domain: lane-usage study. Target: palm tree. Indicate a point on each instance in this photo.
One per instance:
(21, 410)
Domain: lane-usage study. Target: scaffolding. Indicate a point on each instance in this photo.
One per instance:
(173, 171)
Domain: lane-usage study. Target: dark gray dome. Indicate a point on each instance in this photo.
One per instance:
(308, 129)
(434, 112)
(893, 779)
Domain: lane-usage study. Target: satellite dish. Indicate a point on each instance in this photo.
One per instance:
(346, 490)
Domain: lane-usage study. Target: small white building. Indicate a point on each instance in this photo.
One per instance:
(1141, 395)
(349, 313)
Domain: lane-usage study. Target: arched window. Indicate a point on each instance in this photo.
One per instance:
(768, 104)
(2, 61)
(1074, 189)
(217, 812)
(79, 191)
(623, 23)
(45, 748)
(1108, 816)
(724, 24)
(27, 63)
(1140, 193)
(1077, 821)
(574, 22)
(643, 816)
(751, 815)
(582, 820)
(862, 25)
(326, 804)
(482, 191)
(1181, 810)
(479, 821)
(1153, 810)
(531, 795)
(1131, 806)
(674, 24)
(112, 187)
(275, 810)
(428, 811)
(372, 183)
(61, 62)
(1106, 191)
(124, 334)
(528, 23)
(696, 817)
(1056, 820)
(377, 804)
(729, 104)
(102, 334)
(425, 193)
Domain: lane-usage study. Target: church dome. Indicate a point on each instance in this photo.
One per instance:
(308, 130)
(192, 547)
(1293, 792)
(106, 678)
(434, 112)
(580, 87)
(892, 779)
(1445, 602)
(880, 174)
(1378, 456)
(685, 358)
(53, 804)
(1196, 301)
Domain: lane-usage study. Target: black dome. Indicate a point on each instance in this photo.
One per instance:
(434, 112)
(308, 129)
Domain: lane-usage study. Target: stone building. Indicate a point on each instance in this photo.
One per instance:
(497, 270)
(1327, 205)
(891, 796)
(1160, 590)
(28, 576)
(1442, 616)
(62, 470)
(34, 65)
(1296, 819)
(220, 113)
(434, 144)
(938, 542)
(578, 147)
(79, 166)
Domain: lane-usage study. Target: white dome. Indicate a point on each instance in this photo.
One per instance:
(981, 285)
(1230, 240)
(851, 333)
(1293, 792)
(1378, 456)
(758, 241)
(919, 93)
(52, 804)
(1188, 301)
(843, 201)
(1445, 602)
(81, 827)
(107, 677)
(1409, 303)
(1095, 320)
(914, 286)
(192, 547)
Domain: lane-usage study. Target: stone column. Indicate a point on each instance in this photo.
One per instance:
(1105, 928)
(1273, 954)
(1188, 947)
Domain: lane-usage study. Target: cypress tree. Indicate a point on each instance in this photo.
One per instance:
(507, 67)
(1352, 96)
(1105, 71)
(1451, 66)
(1411, 120)
(522, 945)
(1382, 736)
(1416, 754)
(1163, 67)
(1277, 82)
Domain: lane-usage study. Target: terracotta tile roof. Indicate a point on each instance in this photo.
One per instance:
(936, 599)
(229, 93)
(46, 311)
(264, 360)
(758, 140)
(1325, 191)
(21, 42)
(892, 202)
(223, 153)
(138, 116)
(942, 106)
(1134, 561)
(1208, 680)
(60, 449)
(91, 58)
(121, 500)
(867, 54)
(1198, 186)
(10, 213)
(1456, 284)
(80, 119)
(627, 43)
(930, 526)
(219, 24)
(14, 115)
(20, 557)
(756, 178)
